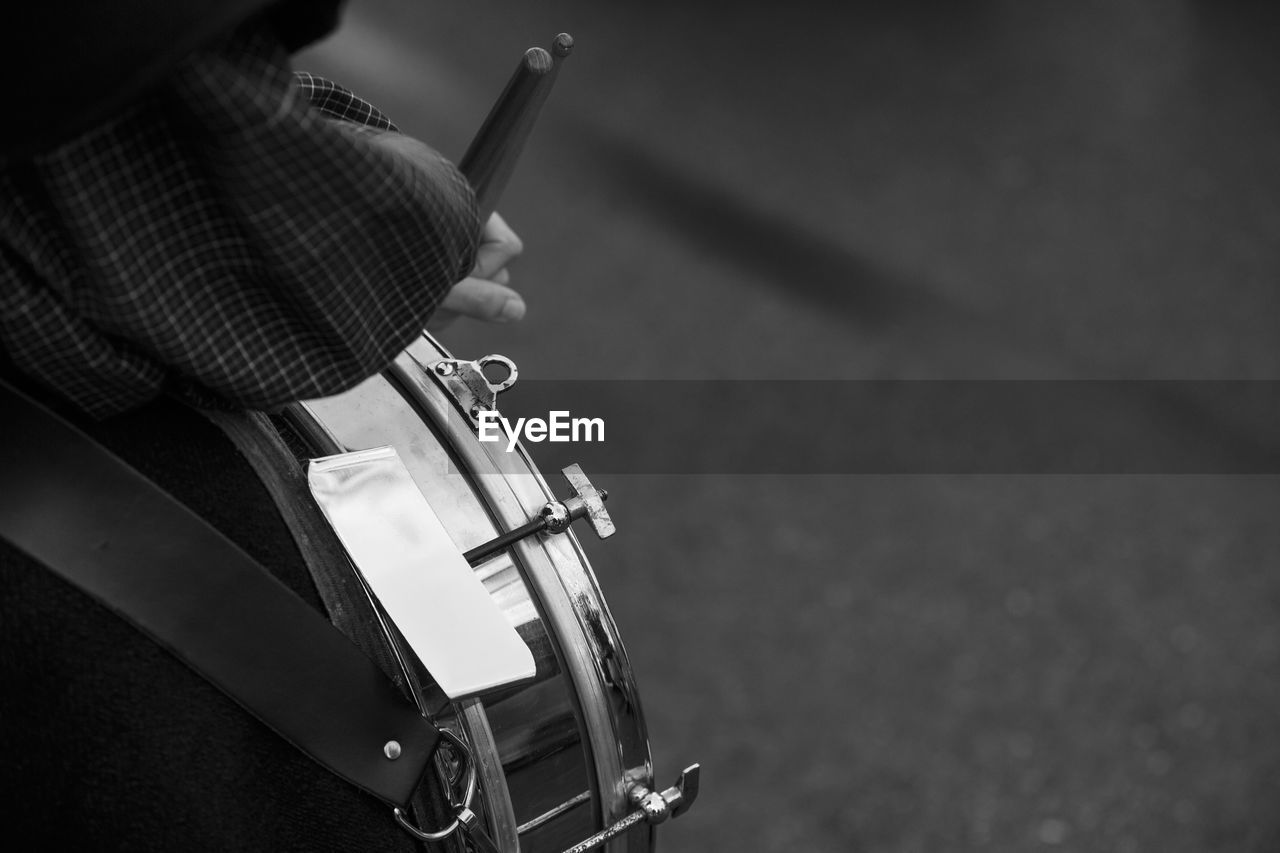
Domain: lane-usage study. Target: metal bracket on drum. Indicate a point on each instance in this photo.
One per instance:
(587, 502)
(651, 807)
(466, 381)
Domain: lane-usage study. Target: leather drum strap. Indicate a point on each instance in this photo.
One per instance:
(352, 609)
(96, 522)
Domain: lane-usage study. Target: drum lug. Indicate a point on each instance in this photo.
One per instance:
(467, 384)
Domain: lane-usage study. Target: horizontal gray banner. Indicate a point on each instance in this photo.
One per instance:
(896, 426)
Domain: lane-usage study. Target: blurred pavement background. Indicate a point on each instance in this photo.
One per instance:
(850, 191)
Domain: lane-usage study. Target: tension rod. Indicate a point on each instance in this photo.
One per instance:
(555, 517)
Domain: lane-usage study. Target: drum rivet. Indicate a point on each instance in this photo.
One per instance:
(444, 368)
(392, 749)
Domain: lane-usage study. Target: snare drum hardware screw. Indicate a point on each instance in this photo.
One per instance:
(556, 517)
(391, 749)
(445, 368)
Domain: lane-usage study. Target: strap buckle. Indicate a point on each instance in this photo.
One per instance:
(465, 819)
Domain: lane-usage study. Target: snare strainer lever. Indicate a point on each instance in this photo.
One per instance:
(587, 502)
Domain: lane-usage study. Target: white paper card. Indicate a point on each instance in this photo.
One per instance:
(420, 577)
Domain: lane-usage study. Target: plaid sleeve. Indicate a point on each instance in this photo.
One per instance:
(225, 239)
(340, 103)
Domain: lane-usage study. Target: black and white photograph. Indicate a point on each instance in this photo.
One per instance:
(650, 427)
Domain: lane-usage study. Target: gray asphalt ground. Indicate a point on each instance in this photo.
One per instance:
(852, 191)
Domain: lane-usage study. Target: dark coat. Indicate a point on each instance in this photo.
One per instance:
(67, 64)
(110, 743)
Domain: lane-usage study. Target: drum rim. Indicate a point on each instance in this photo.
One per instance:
(561, 576)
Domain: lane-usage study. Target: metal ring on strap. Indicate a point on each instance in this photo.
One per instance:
(457, 744)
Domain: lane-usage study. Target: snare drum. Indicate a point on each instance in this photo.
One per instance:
(556, 756)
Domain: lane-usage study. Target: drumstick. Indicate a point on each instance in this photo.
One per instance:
(492, 155)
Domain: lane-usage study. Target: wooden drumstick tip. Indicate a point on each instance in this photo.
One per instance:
(561, 45)
(537, 60)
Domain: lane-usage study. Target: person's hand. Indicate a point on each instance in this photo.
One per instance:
(484, 295)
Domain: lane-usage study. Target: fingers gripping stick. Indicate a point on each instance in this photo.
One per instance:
(587, 502)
